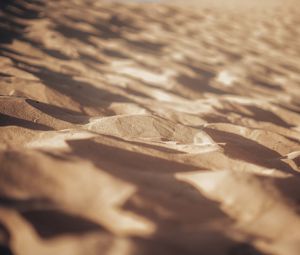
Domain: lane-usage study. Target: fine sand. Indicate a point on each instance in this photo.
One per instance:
(149, 128)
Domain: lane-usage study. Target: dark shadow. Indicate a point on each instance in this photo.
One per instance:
(5, 238)
(52, 223)
(291, 107)
(244, 249)
(145, 145)
(143, 85)
(290, 189)
(116, 24)
(51, 52)
(12, 28)
(9, 30)
(24, 204)
(6, 120)
(104, 29)
(115, 54)
(215, 118)
(5, 250)
(259, 114)
(73, 33)
(7, 52)
(80, 91)
(57, 156)
(20, 10)
(239, 147)
(260, 83)
(5, 75)
(59, 112)
(154, 246)
(200, 70)
(54, 53)
(294, 140)
(112, 28)
(88, 58)
(157, 148)
(290, 67)
(232, 56)
(146, 46)
(197, 86)
(105, 154)
(157, 187)
(137, 93)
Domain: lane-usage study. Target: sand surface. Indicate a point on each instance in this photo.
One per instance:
(149, 128)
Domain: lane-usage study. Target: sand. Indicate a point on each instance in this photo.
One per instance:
(149, 128)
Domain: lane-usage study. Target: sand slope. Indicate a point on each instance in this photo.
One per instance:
(149, 128)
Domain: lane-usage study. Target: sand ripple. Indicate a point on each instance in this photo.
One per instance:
(149, 128)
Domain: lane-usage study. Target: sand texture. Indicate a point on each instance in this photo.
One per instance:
(149, 128)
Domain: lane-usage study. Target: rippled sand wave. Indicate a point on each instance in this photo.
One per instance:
(149, 128)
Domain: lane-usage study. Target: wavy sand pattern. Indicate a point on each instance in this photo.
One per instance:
(149, 128)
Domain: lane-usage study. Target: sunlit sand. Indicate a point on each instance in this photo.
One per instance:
(149, 127)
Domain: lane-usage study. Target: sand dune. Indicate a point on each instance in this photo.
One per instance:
(149, 127)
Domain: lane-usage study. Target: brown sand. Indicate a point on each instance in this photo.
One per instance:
(149, 129)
